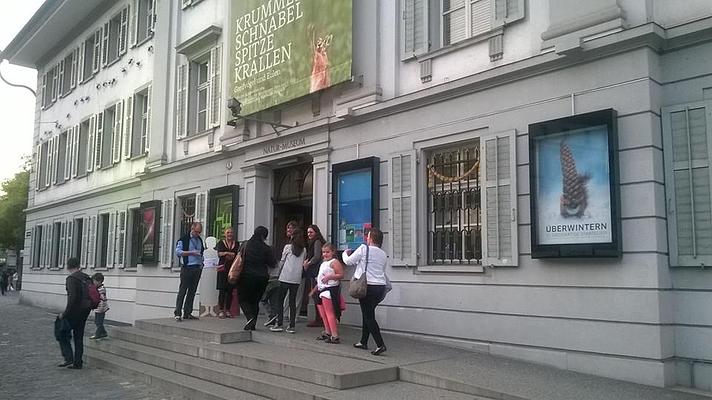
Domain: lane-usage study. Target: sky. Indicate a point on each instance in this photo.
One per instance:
(17, 105)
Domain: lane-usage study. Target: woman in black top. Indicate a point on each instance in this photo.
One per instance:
(312, 262)
(253, 279)
(227, 249)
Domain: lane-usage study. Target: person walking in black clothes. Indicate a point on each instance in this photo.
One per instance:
(253, 279)
(3, 282)
(74, 317)
(190, 250)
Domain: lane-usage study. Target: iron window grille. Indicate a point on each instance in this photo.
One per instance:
(454, 206)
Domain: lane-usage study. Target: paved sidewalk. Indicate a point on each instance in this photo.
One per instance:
(29, 354)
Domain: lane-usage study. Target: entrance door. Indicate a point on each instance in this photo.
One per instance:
(292, 199)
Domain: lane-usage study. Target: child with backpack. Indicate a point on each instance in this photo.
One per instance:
(102, 308)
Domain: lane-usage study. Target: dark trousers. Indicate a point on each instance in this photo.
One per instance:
(73, 328)
(189, 278)
(271, 297)
(283, 289)
(250, 289)
(225, 299)
(374, 295)
(99, 322)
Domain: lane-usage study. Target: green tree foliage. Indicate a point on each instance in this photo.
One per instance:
(12, 205)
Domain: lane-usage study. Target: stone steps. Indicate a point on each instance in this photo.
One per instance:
(259, 383)
(308, 366)
(172, 382)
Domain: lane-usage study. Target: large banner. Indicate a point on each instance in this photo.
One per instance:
(284, 49)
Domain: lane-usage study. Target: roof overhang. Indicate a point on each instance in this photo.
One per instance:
(52, 23)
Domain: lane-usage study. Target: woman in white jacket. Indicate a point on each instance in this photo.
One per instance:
(289, 279)
(371, 259)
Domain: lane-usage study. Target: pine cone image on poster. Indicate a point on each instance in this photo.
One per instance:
(574, 198)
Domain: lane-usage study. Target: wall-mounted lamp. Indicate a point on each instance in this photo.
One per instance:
(236, 108)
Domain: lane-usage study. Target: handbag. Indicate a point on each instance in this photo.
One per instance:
(358, 287)
(236, 269)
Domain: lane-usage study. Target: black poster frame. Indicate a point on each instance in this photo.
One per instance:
(153, 259)
(538, 130)
(372, 163)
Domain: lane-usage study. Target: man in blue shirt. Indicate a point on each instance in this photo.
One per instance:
(190, 251)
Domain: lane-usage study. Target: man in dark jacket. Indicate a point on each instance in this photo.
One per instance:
(74, 317)
(190, 250)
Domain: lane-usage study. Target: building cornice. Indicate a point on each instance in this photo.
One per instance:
(116, 187)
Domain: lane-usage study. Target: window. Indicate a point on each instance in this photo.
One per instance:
(137, 124)
(50, 85)
(187, 213)
(69, 73)
(37, 247)
(84, 133)
(61, 158)
(429, 25)
(200, 69)
(88, 66)
(454, 223)
(76, 245)
(469, 209)
(102, 240)
(143, 19)
(687, 136)
(136, 241)
(198, 99)
(115, 37)
(108, 136)
(42, 160)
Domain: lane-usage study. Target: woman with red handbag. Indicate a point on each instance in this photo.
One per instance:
(227, 250)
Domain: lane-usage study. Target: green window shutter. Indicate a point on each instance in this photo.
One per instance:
(119, 259)
(686, 135)
(480, 17)
(90, 144)
(498, 171)
(99, 140)
(402, 189)
(414, 28)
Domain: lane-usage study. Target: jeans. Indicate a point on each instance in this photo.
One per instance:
(374, 295)
(250, 289)
(73, 327)
(293, 289)
(271, 297)
(99, 322)
(189, 278)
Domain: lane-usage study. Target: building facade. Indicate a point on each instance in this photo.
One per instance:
(429, 138)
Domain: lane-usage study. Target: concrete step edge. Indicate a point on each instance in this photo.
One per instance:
(260, 383)
(409, 375)
(186, 330)
(173, 382)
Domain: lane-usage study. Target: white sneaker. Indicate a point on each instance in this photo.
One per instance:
(271, 321)
(276, 328)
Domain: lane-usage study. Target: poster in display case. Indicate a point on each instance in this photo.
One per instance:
(574, 186)
(355, 201)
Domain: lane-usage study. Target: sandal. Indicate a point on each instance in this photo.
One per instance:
(228, 314)
(333, 340)
(221, 315)
(323, 336)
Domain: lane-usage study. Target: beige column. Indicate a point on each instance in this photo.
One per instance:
(258, 210)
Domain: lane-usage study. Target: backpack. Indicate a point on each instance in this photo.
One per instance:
(90, 295)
